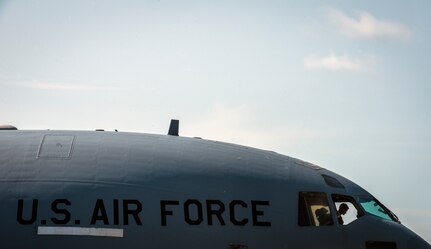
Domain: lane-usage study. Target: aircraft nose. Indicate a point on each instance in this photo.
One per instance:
(418, 243)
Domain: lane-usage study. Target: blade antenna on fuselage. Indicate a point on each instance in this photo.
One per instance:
(174, 127)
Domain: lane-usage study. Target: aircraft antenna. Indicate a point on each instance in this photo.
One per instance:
(174, 127)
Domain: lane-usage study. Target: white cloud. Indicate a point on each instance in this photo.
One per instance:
(334, 63)
(367, 26)
(59, 86)
(69, 87)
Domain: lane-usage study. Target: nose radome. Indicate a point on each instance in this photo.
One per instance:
(417, 242)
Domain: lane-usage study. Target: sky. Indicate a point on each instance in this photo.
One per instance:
(342, 84)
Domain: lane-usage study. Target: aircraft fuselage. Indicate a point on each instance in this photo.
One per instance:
(127, 190)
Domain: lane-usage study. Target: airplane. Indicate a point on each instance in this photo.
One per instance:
(100, 189)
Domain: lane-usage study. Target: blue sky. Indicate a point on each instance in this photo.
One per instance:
(342, 84)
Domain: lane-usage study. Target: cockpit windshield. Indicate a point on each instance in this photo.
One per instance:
(373, 207)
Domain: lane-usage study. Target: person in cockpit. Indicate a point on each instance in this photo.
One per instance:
(323, 217)
(342, 210)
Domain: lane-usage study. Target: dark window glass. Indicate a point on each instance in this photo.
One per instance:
(314, 209)
(380, 245)
(331, 181)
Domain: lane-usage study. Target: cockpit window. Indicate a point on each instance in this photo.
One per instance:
(331, 181)
(314, 209)
(347, 209)
(373, 207)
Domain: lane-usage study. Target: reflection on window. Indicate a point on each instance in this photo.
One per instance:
(314, 209)
(372, 207)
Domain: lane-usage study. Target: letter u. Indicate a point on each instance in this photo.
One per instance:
(19, 216)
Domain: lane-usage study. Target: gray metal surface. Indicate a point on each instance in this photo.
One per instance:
(86, 189)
